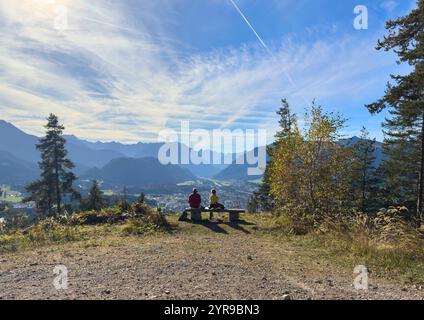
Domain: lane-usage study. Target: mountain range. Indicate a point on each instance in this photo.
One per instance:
(16, 171)
(139, 172)
(125, 164)
(239, 172)
(116, 163)
(143, 150)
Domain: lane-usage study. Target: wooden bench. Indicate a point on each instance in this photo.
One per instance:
(196, 214)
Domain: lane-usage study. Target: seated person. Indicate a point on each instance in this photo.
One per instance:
(194, 201)
(214, 202)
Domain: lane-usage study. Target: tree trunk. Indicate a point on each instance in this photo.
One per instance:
(49, 206)
(363, 189)
(421, 176)
(57, 183)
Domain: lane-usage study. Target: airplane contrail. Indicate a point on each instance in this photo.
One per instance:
(288, 76)
(250, 25)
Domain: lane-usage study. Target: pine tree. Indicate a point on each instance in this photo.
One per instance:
(56, 180)
(364, 171)
(95, 200)
(404, 98)
(142, 198)
(124, 204)
(287, 121)
(262, 199)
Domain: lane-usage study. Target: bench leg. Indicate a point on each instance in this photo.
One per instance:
(234, 216)
(196, 215)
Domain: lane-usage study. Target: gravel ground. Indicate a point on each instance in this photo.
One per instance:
(233, 264)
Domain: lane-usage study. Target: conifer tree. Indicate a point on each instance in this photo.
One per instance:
(364, 171)
(56, 180)
(142, 198)
(404, 98)
(95, 200)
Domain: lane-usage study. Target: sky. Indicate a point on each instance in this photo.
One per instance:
(124, 70)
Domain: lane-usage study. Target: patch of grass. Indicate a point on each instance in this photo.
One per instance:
(405, 264)
(12, 242)
(38, 235)
(138, 227)
(186, 184)
(149, 222)
(93, 228)
(109, 193)
(12, 199)
(105, 216)
(257, 181)
(402, 260)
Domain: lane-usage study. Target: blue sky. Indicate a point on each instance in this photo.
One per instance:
(123, 70)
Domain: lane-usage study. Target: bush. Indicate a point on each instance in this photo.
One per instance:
(144, 220)
(103, 216)
(294, 220)
(394, 226)
(139, 219)
(11, 242)
(51, 230)
(109, 216)
(140, 209)
(137, 226)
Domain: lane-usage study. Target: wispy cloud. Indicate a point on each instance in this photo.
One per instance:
(389, 5)
(117, 73)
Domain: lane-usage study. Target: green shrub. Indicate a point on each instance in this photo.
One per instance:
(51, 230)
(11, 242)
(140, 209)
(294, 220)
(140, 219)
(138, 226)
(103, 216)
(45, 231)
(145, 221)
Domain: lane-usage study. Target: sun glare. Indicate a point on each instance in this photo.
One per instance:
(40, 12)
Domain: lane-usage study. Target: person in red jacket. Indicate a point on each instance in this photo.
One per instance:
(195, 199)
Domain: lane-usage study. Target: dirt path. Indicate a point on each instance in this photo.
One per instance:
(229, 263)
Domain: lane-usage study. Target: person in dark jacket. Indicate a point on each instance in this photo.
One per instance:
(195, 199)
